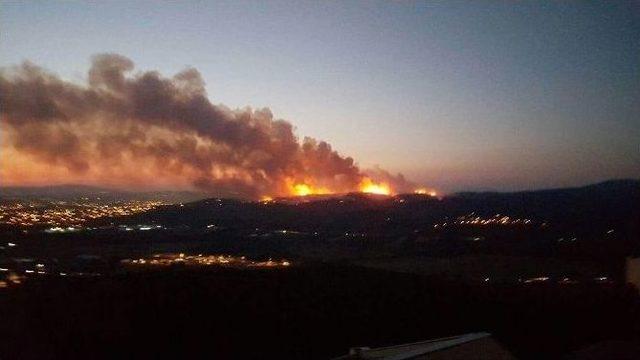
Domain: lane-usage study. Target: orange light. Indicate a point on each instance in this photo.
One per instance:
(266, 198)
(368, 186)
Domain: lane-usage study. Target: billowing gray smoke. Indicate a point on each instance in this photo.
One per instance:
(124, 122)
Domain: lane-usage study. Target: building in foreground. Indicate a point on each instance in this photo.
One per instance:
(478, 346)
(633, 271)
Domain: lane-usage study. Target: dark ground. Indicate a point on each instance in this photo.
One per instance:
(306, 312)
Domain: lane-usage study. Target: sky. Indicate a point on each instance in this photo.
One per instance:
(472, 95)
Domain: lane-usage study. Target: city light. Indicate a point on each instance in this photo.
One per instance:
(159, 260)
(473, 219)
(63, 217)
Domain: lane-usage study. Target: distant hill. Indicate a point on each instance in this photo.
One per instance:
(606, 204)
(610, 186)
(609, 200)
(60, 191)
(596, 222)
(74, 192)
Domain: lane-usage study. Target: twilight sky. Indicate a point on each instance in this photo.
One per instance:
(455, 95)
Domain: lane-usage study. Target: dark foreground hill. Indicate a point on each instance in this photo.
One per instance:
(309, 312)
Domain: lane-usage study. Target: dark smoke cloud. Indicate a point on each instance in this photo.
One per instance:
(126, 117)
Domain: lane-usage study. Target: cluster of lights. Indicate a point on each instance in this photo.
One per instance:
(497, 219)
(67, 216)
(10, 276)
(562, 281)
(13, 277)
(204, 260)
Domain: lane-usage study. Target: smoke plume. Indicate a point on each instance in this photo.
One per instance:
(138, 129)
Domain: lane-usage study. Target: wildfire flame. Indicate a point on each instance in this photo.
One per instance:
(302, 189)
(368, 186)
(423, 191)
(306, 188)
